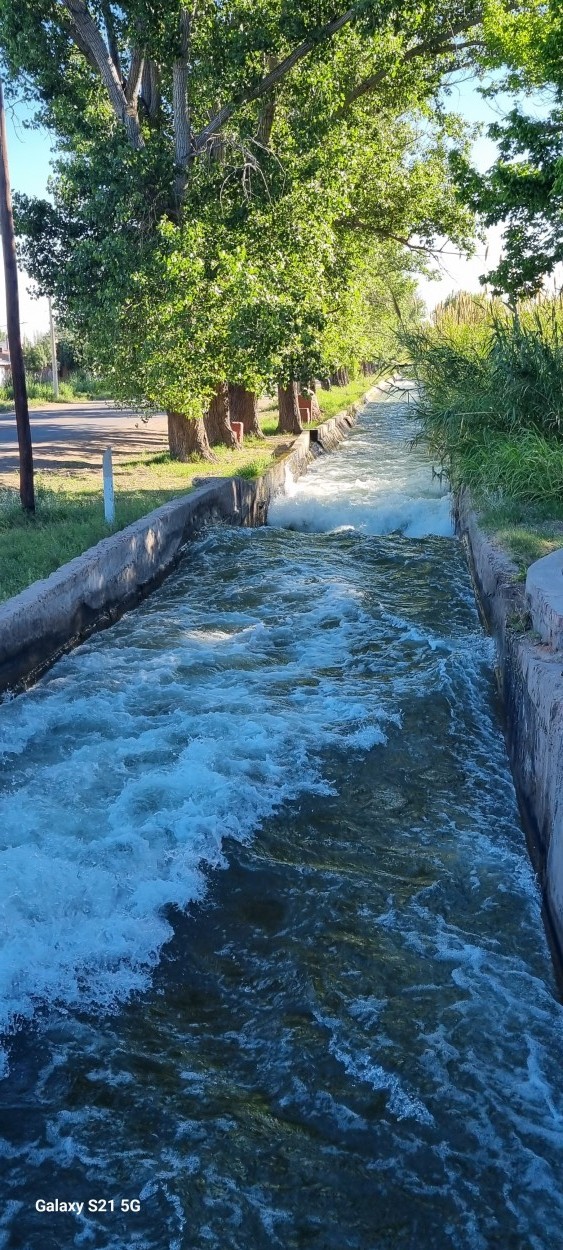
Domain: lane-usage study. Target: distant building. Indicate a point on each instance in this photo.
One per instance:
(5, 366)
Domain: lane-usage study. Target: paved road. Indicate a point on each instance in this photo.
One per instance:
(73, 437)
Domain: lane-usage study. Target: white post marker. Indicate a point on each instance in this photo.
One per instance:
(54, 369)
(109, 497)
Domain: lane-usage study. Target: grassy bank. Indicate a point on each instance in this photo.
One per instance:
(69, 516)
(491, 410)
(339, 397)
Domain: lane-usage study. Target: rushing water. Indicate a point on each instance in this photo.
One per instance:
(272, 957)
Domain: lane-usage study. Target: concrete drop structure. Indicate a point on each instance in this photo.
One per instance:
(92, 591)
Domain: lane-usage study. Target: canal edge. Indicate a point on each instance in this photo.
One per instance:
(530, 679)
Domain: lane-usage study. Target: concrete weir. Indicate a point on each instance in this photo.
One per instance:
(92, 591)
(527, 626)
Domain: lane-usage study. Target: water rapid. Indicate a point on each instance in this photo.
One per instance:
(272, 960)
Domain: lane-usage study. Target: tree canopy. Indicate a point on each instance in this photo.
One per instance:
(524, 187)
(237, 185)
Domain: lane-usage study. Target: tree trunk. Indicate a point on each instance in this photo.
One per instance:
(180, 105)
(315, 406)
(150, 89)
(217, 419)
(288, 408)
(340, 378)
(187, 438)
(243, 406)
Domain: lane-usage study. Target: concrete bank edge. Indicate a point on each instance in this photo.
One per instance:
(92, 591)
(530, 677)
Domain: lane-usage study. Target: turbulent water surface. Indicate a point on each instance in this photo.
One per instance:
(272, 956)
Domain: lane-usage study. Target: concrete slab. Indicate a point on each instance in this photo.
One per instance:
(544, 592)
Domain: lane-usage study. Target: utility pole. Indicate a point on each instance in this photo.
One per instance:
(54, 369)
(27, 494)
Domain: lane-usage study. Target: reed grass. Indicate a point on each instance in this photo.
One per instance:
(490, 407)
(491, 393)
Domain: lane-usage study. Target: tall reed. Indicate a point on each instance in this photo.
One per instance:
(487, 374)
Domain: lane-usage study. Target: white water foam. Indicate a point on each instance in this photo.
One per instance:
(193, 720)
(123, 772)
(385, 493)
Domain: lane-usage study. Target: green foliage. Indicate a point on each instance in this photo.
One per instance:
(282, 244)
(285, 253)
(524, 187)
(491, 400)
(273, 292)
(37, 354)
(527, 467)
(524, 190)
(70, 353)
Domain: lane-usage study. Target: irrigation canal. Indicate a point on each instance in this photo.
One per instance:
(272, 956)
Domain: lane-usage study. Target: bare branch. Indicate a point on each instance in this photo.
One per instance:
(275, 76)
(355, 223)
(109, 24)
(89, 34)
(180, 79)
(268, 112)
(370, 84)
(134, 77)
(84, 48)
(322, 35)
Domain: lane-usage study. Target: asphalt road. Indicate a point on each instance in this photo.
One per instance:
(73, 437)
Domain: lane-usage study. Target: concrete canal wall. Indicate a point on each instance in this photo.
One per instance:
(92, 591)
(527, 625)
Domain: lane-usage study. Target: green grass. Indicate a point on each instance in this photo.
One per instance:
(39, 393)
(69, 514)
(66, 523)
(525, 467)
(517, 485)
(340, 397)
(525, 531)
(268, 417)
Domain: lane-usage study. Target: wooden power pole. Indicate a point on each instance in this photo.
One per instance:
(27, 493)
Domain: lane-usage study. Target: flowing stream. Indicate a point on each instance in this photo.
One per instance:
(272, 956)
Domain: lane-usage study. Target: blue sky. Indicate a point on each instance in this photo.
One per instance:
(458, 272)
(30, 152)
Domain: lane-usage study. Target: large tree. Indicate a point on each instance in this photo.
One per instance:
(523, 189)
(272, 133)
